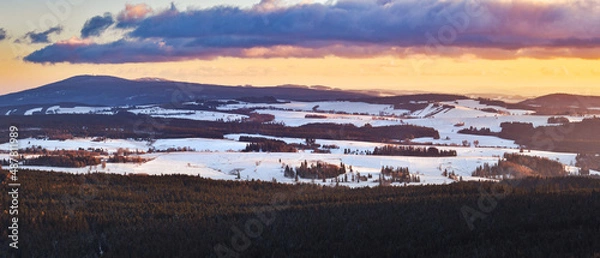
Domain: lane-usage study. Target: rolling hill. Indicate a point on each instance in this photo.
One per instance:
(107, 91)
(564, 104)
(113, 91)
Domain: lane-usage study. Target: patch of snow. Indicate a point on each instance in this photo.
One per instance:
(297, 118)
(33, 110)
(52, 109)
(572, 170)
(266, 166)
(188, 114)
(327, 107)
(79, 110)
(10, 112)
(200, 144)
(214, 159)
(110, 145)
(474, 104)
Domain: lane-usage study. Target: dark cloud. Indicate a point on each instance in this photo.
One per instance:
(2, 34)
(42, 37)
(394, 23)
(347, 28)
(124, 51)
(96, 25)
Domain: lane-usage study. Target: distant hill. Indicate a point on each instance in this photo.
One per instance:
(113, 91)
(415, 98)
(87, 90)
(564, 101)
(566, 104)
(413, 102)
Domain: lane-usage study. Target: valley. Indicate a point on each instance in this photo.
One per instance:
(202, 137)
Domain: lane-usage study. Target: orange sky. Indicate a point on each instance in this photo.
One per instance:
(474, 71)
(528, 77)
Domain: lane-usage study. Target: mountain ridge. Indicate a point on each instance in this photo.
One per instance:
(104, 90)
(115, 91)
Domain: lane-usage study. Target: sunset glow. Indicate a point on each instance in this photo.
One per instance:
(526, 47)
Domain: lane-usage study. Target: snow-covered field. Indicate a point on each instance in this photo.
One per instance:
(565, 158)
(474, 104)
(33, 111)
(327, 106)
(222, 159)
(188, 114)
(65, 110)
(467, 112)
(200, 144)
(297, 118)
(267, 166)
(110, 145)
(79, 110)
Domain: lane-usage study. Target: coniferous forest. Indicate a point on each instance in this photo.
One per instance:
(569, 137)
(391, 150)
(125, 125)
(276, 128)
(517, 166)
(109, 215)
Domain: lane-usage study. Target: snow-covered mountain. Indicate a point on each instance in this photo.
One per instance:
(113, 91)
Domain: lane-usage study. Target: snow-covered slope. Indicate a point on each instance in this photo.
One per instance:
(298, 118)
(188, 114)
(327, 107)
(109, 145)
(221, 159)
(33, 111)
(79, 110)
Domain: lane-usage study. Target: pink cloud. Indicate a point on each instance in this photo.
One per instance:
(491, 29)
(134, 13)
(75, 41)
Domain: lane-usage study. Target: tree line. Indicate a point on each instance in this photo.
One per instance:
(109, 215)
(125, 125)
(578, 137)
(397, 175)
(66, 161)
(318, 170)
(269, 145)
(398, 150)
(587, 161)
(518, 166)
(478, 131)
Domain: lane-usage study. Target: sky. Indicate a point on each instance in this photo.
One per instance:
(527, 47)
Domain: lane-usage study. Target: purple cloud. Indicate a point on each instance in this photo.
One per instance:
(42, 37)
(2, 34)
(124, 51)
(96, 25)
(348, 28)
